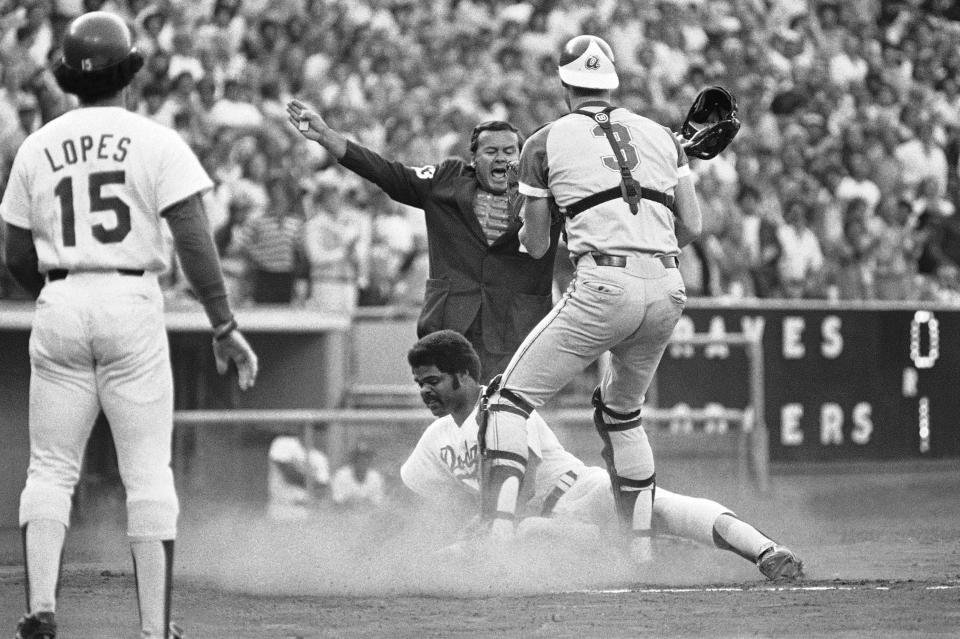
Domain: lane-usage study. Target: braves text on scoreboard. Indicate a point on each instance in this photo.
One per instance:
(839, 383)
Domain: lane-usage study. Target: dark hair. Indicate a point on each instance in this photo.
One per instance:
(153, 89)
(746, 191)
(493, 125)
(448, 350)
(99, 84)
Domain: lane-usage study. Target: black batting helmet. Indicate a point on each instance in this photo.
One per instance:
(98, 57)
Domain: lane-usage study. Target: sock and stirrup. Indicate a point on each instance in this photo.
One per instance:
(43, 541)
(153, 570)
(734, 534)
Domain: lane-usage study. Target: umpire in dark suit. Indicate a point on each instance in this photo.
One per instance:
(481, 283)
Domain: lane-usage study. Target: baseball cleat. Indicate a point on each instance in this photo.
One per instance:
(779, 563)
(40, 625)
(176, 632)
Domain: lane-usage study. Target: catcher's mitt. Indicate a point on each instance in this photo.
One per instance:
(711, 124)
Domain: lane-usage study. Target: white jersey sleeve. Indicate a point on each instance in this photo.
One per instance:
(182, 174)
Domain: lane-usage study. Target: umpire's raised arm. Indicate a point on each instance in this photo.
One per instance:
(404, 184)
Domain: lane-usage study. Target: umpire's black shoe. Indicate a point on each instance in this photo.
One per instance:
(40, 625)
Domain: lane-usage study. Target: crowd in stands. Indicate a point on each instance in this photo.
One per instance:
(842, 184)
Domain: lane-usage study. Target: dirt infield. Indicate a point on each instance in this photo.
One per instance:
(880, 542)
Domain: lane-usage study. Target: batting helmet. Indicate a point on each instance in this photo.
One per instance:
(587, 62)
(98, 57)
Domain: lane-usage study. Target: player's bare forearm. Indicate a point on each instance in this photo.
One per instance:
(684, 235)
(20, 256)
(312, 126)
(689, 219)
(535, 232)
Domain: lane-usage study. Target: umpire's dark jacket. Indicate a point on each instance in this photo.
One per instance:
(510, 289)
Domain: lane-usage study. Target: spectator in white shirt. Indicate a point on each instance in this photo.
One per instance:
(848, 66)
(295, 479)
(801, 260)
(357, 484)
(235, 108)
(858, 185)
(922, 157)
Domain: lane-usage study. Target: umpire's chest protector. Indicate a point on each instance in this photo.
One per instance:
(468, 276)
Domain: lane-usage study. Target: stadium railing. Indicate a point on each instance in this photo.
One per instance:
(399, 409)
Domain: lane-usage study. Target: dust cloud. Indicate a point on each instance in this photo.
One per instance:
(872, 523)
(387, 552)
(397, 552)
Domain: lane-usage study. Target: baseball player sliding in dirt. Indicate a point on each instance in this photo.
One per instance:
(563, 494)
(84, 210)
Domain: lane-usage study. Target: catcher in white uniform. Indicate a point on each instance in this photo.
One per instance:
(445, 468)
(623, 182)
(84, 210)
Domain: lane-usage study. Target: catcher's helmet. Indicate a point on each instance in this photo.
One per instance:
(586, 61)
(98, 56)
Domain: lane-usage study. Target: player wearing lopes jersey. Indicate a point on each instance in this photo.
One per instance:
(84, 206)
(624, 184)
(445, 464)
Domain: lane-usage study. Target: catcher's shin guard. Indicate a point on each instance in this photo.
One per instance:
(502, 441)
(626, 490)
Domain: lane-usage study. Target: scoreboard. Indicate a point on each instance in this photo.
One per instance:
(840, 382)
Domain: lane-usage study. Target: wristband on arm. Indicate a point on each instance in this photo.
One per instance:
(222, 331)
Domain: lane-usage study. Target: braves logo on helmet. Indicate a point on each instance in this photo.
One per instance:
(587, 62)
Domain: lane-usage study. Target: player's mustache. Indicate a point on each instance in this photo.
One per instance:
(429, 397)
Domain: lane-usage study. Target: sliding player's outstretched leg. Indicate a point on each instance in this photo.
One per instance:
(711, 523)
(629, 461)
(776, 562)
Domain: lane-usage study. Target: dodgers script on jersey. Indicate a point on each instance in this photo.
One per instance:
(446, 461)
(552, 165)
(88, 186)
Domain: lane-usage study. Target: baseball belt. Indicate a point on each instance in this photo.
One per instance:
(620, 261)
(55, 274)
